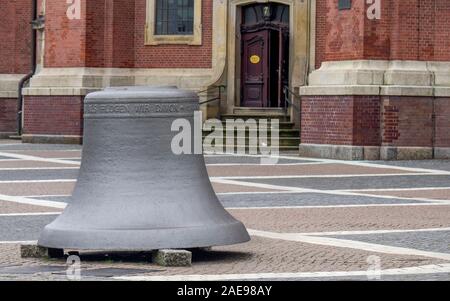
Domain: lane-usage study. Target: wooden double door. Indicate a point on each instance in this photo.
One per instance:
(264, 55)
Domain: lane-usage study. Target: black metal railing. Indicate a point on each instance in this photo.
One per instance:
(215, 92)
(212, 94)
(289, 97)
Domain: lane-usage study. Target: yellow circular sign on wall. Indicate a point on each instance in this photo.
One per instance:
(255, 59)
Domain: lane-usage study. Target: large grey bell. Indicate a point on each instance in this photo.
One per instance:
(133, 193)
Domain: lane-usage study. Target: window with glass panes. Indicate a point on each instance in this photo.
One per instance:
(174, 17)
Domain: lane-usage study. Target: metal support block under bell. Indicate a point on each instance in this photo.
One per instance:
(133, 193)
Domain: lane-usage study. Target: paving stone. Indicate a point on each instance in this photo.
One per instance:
(23, 228)
(32, 269)
(427, 164)
(17, 208)
(344, 219)
(247, 160)
(349, 183)
(433, 241)
(40, 174)
(110, 272)
(302, 199)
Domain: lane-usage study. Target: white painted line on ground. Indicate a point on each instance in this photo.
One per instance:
(331, 176)
(331, 192)
(339, 190)
(46, 196)
(370, 232)
(419, 270)
(356, 163)
(22, 200)
(339, 206)
(258, 164)
(69, 158)
(29, 214)
(19, 242)
(34, 158)
(37, 168)
(8, 144)
(38, 181)
(11, 160)
(399, 189)
(352, 244)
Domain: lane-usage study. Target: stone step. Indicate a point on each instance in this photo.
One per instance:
(225, 117)
(281, 124)
(285, 141)
(247, 148)
(281, 133)
(259, 111)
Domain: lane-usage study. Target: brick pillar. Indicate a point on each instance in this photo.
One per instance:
(382, 83)
(15, 61)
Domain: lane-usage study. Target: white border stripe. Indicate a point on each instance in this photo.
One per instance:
(331, 176)
(19, 242)
(28, 201)
(370, 232)
(36, 168)
(29, 214)
(357, 163)
(420, 270)
(34, 158)
(338, 206)
(332, 192)
(264, 165)
(39, 181)
(352, 244)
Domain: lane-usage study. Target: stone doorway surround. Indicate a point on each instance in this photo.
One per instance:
(301, 52)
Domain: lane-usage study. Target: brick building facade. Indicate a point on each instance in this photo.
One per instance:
(374, 81)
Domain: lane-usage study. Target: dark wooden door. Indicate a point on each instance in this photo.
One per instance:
(265, 54)
(255, 69)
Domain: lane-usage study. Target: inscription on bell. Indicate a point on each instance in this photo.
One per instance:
(107, 108)
(133, 109)
(167, 108)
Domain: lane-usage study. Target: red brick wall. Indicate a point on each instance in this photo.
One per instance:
(111, 34)
(339, 34)
(366, 120)
(53, 115)
(327, 120)
(15, 35)
(174, 56)
(442, 129)
(407, 121)
(407, 30)
(8, 111)
(65, 40)
(341, 120)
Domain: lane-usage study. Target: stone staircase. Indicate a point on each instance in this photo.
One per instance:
(289, 137)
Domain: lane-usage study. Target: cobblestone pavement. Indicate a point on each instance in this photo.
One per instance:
(310, 219)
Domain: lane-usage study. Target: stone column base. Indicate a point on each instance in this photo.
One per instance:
(372, 153)
(52, 139)
(340, 152)
(442, 152)
(406, 153)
